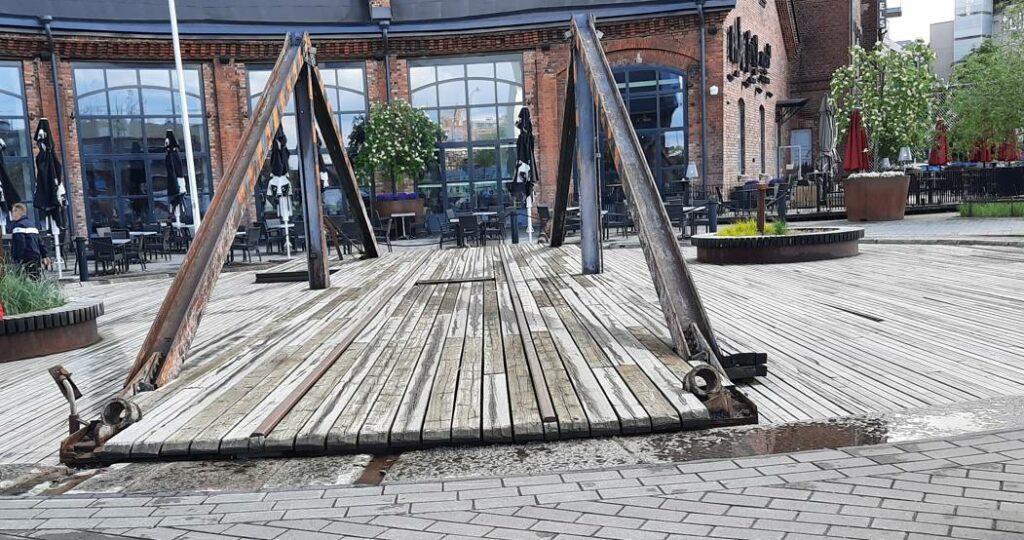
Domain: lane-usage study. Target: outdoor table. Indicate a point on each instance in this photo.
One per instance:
(142, 233)
(401, 217)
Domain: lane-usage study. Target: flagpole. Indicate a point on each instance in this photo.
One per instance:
(182, 96)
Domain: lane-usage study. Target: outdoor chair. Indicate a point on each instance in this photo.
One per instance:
(119, 234)
(297, 233)
(543, 217)
(450, 231)
(351, 236)
(247, 243)
(381, 229)
(102, 231)
(159, 244)
(470, 227)
(107, 255)
(133, 253)
(181, 238)
(494, 228)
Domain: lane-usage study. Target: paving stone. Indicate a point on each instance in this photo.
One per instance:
(464, 529)
(628, 534)
(354, 529)
(555, 498)
(505, 522)
(676, 529)
(503, 502)
(911, 526)
(834, 519)
(866, 534)
(402, 522)
(532, 480)
(732, 532)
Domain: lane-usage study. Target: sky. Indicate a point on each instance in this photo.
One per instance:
(918, 15)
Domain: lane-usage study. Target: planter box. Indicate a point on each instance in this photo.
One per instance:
(876, 199)
(386, 208)
(804, 245)
(71, 326)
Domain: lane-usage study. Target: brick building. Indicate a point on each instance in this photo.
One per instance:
(470, 65)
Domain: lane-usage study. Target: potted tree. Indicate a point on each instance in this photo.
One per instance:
(891, 92)
(397, 141)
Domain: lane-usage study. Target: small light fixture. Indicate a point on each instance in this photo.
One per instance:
(713, 90)
(905, 155)
(886, 164)
(691, 171)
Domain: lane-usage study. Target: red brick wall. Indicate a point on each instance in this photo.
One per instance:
(666, 41)
(762, 21)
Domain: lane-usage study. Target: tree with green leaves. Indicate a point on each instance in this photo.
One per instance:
(987, 88)
(396, 139)
(893, 91)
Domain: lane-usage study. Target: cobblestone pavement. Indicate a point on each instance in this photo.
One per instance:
(969, 487)
(936, 226)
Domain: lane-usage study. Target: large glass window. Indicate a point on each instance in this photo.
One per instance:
(346, 90)
(123, 115)
(656, 100)
(476, 101)
(14, 130)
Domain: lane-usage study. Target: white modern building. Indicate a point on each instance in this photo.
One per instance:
(972, 23)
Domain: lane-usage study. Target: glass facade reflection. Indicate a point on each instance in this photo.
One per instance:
(346, 90)
(123, 113)
(656, 100)
(15, 130)
(476, 101)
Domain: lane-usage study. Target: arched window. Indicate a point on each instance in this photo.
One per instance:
(656, 100)
(14, 130)
(764, 144)
(346, 90)
(742, 136)
(123, 114)
(476, 101)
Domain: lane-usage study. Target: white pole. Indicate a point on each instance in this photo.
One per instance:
(192, 191)
(55, 231)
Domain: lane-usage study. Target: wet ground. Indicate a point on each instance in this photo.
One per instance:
(504, 460)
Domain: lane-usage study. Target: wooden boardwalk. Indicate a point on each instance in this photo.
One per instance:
(898, 327)
(444, 359)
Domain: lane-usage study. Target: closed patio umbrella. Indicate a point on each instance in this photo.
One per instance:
(279, 188)
(8, 193)
(856, 157)
(827, 136)
(175, 176)
(50, 199)
(982, 152)
(1009, 151)
(940, 152)
(525, 174)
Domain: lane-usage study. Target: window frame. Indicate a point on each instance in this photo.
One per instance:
(26, 160)
(116, 158)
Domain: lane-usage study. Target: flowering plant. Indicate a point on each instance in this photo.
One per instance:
(396, 139)
(893, 90)
(885, 174)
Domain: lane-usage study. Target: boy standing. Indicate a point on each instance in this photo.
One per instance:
(26, 247)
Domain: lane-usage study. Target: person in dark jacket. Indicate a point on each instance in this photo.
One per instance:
(27, 249)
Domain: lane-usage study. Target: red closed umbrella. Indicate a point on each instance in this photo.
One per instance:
(982, 152)
(1009, 151)
(855, 156)
(940, 153)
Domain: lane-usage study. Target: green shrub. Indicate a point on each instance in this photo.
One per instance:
(740, 228)
(21, 294)
(780, 228)
(992, 209)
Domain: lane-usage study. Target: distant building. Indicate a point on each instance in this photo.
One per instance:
(971, 26)
(941, 41)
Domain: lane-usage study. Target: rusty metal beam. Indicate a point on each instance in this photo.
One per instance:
(565, 156)
(309, 166)
(164, 349)
(677, 293)
(586, 172)
(343, 165)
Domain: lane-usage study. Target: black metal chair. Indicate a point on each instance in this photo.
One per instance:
(495, 228)
(158, 244)
(381, 229)
(119, 234)
(470, 227)
(247, 243)
(133, 253)
(106, 254)
(450, 231)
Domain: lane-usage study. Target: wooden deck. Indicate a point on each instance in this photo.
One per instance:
(443, 360)
(898, 327)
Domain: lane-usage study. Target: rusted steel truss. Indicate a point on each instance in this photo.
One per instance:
(680, 301)
(295, 72)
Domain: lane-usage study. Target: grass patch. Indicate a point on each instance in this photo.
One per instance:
(748, 227)
(992, 209)
(21, 294)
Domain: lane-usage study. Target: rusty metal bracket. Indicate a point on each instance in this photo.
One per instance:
(70, 390)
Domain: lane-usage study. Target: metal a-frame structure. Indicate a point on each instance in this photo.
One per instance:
(295, 75)
(591, 88)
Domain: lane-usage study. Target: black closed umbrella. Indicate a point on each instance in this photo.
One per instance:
(8, 192)
(526, 172)
(175, 175)
(279, 188)
(50, 200)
